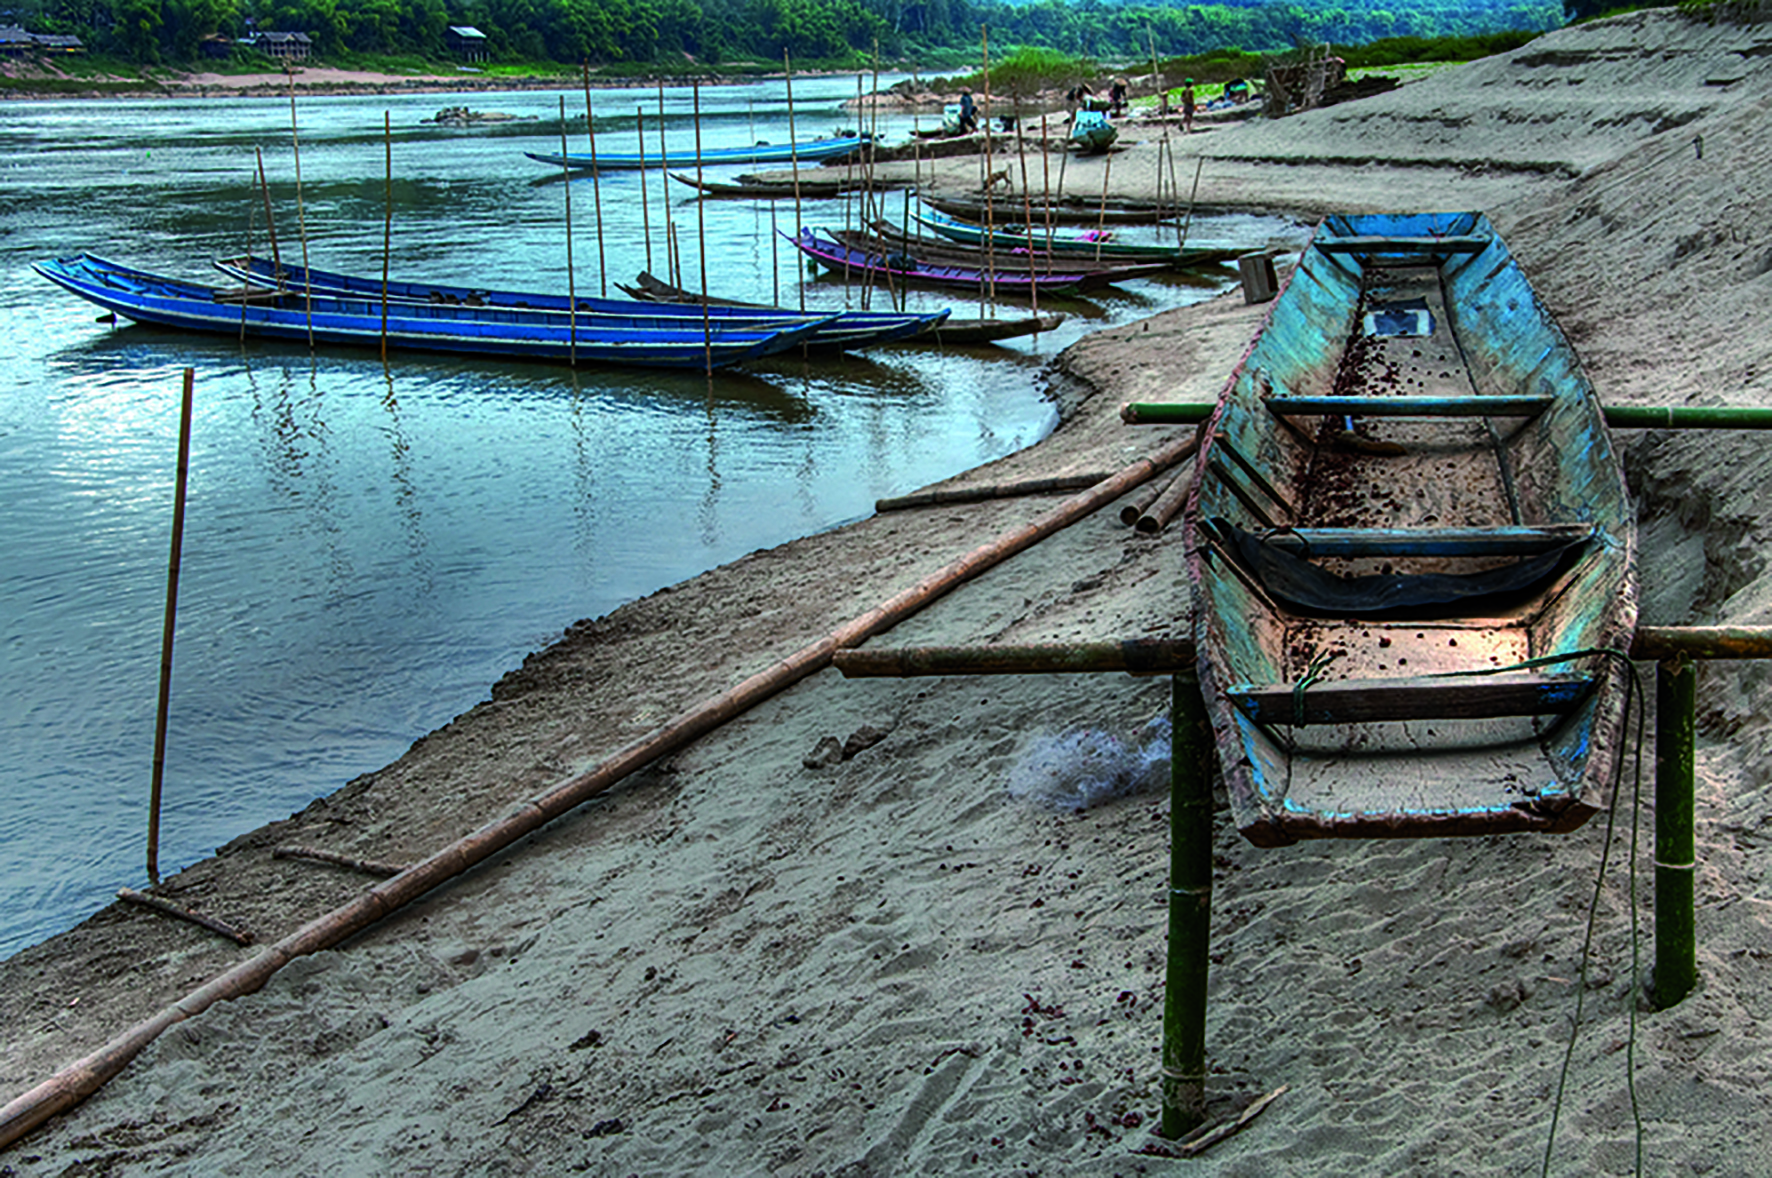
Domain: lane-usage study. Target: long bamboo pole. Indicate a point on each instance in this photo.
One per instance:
(571, 288)
(1617, 416)
(701, 241)
(664, 195)
(245, 284)
(387, 228)
(81, 1079)
(169, 624)
(301, 218)
(270, 222)
(1190, 908)
(596, 185)
(645, 212)
(1136, 656)
(1676, 856)
(794, 159)
(990, 249)
(983, 492)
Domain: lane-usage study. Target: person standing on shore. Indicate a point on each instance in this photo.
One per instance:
(1187, 107)
(968, 113)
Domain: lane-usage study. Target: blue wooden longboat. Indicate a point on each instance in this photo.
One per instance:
(814, 151)
(658, 342)
(845, 329)
(1079, 244)
(1010, 278)
(1411, 549)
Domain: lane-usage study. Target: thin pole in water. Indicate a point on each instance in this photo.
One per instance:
(664, 196)
(571, 289)
(701, 240)
(596, 186)
(387, 232)
(990, 249)
(169, 627)
(794, 156)
(301, 218)
(645, 213)
(270, 224)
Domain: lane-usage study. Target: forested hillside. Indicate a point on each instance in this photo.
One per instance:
(716, 31)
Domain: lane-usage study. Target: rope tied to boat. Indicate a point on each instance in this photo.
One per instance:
(1311, 674)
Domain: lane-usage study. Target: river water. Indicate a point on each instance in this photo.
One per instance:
(368, 547)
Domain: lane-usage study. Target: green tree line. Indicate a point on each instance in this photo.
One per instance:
(720, 31)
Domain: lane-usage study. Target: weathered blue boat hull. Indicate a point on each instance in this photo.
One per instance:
(146, 297)
(1409, 542)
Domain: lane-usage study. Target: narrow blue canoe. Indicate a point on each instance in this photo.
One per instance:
(1411, 549)
(840, 330)
(1095, 245)
(816, 151)
(660, 342)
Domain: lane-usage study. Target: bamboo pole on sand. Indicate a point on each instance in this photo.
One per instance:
(987, 491)
(81, 1079)
(571, 290)
(168, 908)
(1157, 516)
(1676, 856)
(168, 626)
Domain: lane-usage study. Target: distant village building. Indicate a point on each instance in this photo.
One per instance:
(16, 42)
(466, 42)
(60, 43)
(282, 46)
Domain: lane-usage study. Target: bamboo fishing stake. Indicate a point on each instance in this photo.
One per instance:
(1676, 855)
(1046, 183)
(246, 283)
(270, 224)
(571, 289)
(82, 1078)
(1188, 224)
(645, 213)
(301, 219)
(1190, 908)
(859, 201)
(664, 194)
(794, 161)
(990, 248)
(701, 240)
(596, 185)
(387, 231)
(169, 625)
(1027, 219)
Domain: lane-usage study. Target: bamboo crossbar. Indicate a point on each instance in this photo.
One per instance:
(1497, 406)
(81, 1079)
(1617, 416)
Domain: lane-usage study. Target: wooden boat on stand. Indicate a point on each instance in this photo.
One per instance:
(1412, 551)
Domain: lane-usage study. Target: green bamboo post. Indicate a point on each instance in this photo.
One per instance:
(1190, 910)
(1676, 952)
(1617, 416)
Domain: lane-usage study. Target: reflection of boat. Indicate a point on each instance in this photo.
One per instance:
(170, 302)
(903, 267)
(1412, 550)
(1082, 244)
(948, 331)
(837, 329)
(1091, 132)
(811, 152)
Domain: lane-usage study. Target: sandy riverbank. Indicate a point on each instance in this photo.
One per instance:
(754, 958)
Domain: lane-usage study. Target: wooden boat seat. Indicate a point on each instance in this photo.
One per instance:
(1430, 697)
(1473, 244)
(1441, 542)
(1282, 405)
